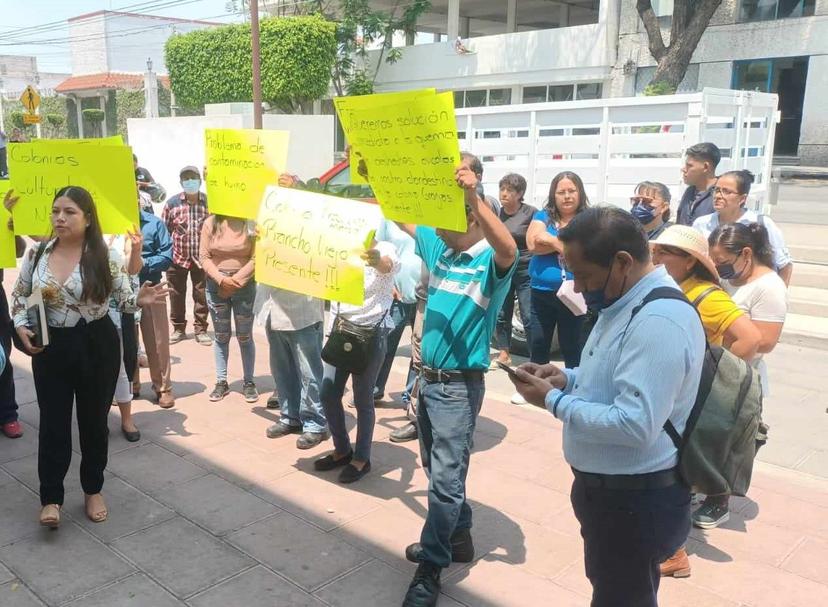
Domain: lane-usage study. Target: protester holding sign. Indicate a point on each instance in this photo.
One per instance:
(372, 320)
(184, 215)
(471, 272)
(74, 276)
(227, 256)
(9, 425)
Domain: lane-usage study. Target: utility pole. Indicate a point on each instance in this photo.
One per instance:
(257, 64)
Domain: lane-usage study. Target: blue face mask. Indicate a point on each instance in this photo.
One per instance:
(643, 213)
(191, 186)
(597, 300)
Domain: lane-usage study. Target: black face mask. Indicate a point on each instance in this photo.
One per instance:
(727, 271)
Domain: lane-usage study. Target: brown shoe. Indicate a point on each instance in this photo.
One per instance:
(677, 565)
(166, 400)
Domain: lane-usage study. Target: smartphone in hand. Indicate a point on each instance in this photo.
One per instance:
(512, 373)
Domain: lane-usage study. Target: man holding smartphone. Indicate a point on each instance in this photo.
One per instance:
(640, 367)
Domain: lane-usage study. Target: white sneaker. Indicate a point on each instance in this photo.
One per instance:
(517, 399)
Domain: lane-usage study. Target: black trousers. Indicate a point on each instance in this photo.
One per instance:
(80, 364)
(8, 402)
(627, 534)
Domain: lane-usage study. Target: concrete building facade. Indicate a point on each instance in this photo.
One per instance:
(500, 52)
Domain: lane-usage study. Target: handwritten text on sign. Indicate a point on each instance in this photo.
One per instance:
(241, 163)
(411, 152)
(311, 243)
(39, 170)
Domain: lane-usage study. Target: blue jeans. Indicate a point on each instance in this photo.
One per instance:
(296, 365)
(520, 289)
(627, 534)
(240, 306)
(402, 314)
(547, 312)
(333, 387)
(446, 414)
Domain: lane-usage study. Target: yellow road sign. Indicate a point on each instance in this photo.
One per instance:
(32, 119)
(30, 99)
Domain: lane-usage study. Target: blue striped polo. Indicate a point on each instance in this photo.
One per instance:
(465, 295)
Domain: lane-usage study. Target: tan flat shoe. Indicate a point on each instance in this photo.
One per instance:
(95, 509)
(50, 516)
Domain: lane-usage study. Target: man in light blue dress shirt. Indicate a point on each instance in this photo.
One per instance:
(636, 372)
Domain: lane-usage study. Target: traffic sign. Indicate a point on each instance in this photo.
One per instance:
(32, 119)
(30, 99)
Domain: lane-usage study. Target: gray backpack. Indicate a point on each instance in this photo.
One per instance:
(724, 429)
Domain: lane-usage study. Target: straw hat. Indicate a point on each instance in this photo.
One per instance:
(690, 241)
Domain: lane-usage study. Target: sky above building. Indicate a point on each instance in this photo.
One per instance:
(39, 27)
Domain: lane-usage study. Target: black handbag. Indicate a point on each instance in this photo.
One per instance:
(18, 343)
(349, 345)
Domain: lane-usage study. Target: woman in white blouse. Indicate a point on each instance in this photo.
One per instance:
(381, 265)
(744, 260)
(76, 275)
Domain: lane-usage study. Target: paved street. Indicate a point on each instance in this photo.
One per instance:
(206, 511)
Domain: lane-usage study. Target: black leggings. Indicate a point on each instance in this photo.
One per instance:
(80, 364)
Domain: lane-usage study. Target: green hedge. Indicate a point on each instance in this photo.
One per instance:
(215, 65)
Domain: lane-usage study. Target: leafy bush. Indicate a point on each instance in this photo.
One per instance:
(215, 65)
(93, 115)
(656, 89)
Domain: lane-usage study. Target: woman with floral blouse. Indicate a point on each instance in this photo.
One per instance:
(76, 275)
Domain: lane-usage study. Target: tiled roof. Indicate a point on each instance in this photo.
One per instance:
(106, 80)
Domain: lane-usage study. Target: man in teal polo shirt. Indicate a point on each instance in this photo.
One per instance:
(470, 276)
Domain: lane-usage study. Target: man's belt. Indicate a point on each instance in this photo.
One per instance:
(650, 480)
(445, 376)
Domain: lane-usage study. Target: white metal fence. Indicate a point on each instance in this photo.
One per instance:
(613, 144)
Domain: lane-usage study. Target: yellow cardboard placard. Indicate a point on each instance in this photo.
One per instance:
(241, 163)
(113, 140)
(41, 169)
(311, 243)
(8, 258)
(345, 104)
(411, 152)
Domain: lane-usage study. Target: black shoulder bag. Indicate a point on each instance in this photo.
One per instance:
(349, 345)
(18, 343)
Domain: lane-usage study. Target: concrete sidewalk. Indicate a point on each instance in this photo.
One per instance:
(205, 511)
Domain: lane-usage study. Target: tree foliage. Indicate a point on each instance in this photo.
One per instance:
(215, 65)
(690, 19)
(360, 29)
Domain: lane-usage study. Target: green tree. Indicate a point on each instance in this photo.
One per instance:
(690, 19)
(215, 65)
(360, 29)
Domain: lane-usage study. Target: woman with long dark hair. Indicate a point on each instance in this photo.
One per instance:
(76, 275)
(227, 256)
(744, 260)
(547, 272)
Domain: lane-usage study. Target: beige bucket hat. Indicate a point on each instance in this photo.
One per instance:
(690, 241)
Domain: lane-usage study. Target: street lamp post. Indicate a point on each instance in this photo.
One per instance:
(257, 64)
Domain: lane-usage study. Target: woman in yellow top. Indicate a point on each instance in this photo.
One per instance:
(684, 253)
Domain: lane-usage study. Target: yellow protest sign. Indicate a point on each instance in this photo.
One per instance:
(39, 170)
(410, 150)
(344, 104)
(241, 163)
(311, 243)
(8, 259)
(114, 140)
